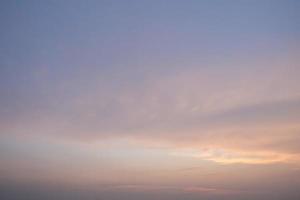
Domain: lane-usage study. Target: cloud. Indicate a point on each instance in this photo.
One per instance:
(250, 115)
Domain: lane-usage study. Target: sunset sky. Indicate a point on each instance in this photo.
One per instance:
(150, 99)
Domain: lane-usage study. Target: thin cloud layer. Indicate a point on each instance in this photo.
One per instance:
(237, 112)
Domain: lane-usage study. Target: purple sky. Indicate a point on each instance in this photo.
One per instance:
(150, 99)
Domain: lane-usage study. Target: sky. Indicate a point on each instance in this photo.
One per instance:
(150, 99)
